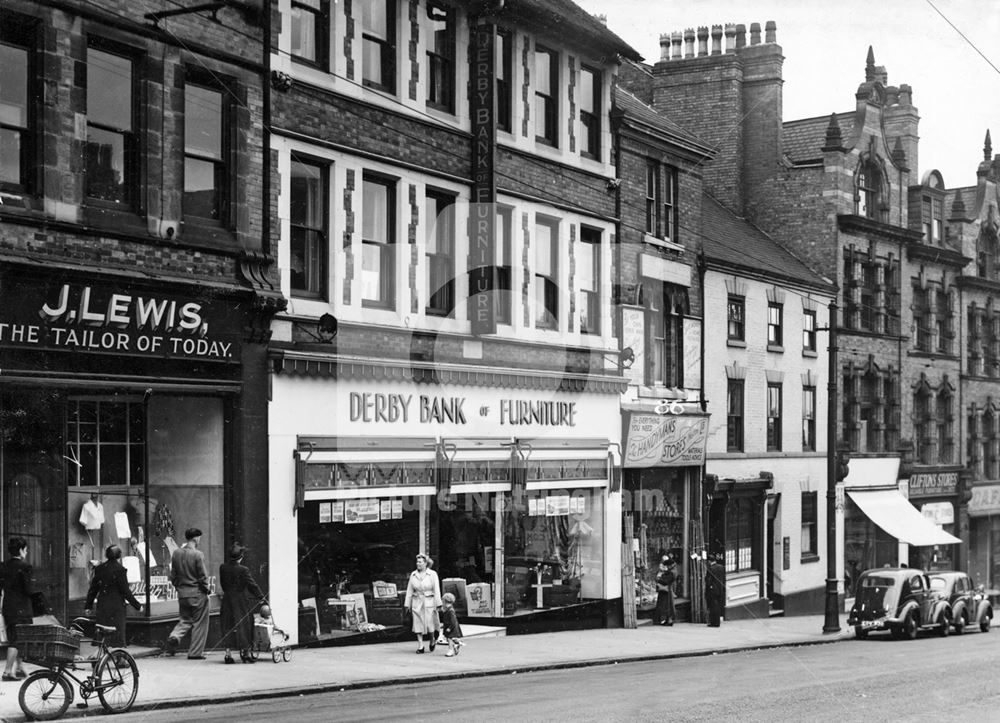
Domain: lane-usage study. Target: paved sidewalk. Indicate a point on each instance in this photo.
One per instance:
(172, 682)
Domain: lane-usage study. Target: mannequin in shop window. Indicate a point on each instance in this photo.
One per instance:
(92, 519)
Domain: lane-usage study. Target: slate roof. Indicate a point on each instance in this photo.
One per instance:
(732, 240)
(636, 109)
(803, 140)
(563, 16)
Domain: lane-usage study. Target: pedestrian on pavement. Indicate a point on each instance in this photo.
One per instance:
(240, 596)
(188, 575)
(423, 598)
(715, 590)
(16, 578)
(449, 624)
(110, 588)
(665, 578)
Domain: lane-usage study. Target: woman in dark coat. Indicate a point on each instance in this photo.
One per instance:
(240, 595)
(110, 587)
(15, 581)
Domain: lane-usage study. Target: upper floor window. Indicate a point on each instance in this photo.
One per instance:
(808, 419)
(308, 212)
(869, 192)
(440, 250)
(504, 74)
(734, 415)
(378, 241)
(932, 217)
(775, 323)
(309, 22)
(809, 330)
(773, 417)
(944, 322)
(588, 279)
(111, 143)
(870, 410)
(661, 201)
(590, 112)
(667, 305)
(944, 418)
(16, 118)
(922, 421)
(205, 172)
(546, 95)
(546, 275)
(441, 56)
(505, 296)
(651, 198)
(379, 45)
(736, 312)
(923, 319)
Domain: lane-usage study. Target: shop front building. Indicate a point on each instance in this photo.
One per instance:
(984, 536)
(508, 485)
(937, 494)
(120, 407)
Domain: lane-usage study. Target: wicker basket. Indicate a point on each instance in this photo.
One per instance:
(47, 644)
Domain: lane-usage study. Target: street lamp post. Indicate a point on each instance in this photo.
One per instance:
(831, 621)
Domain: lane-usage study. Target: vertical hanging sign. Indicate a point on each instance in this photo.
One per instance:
(482, 219)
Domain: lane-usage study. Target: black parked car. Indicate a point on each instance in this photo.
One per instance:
(968, 606)
(899, 600)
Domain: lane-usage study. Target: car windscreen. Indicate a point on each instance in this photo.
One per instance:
(939, 583)
(877, 581)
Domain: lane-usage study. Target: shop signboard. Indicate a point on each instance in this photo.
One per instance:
(940, 513)
(933, 484)
(985, 501)
(83, 315)
(666, 440)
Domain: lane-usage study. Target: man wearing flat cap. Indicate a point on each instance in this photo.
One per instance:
(189, 576)
(715, 590)
(665, 578)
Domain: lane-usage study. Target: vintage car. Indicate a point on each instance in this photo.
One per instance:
(968, 606)
(899, 600)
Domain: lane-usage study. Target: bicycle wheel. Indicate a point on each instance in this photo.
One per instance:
(44, 695)
(117, 681)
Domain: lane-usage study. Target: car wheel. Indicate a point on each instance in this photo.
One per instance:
(860, 633)
(909, 627)
(896, 633)
(960, 622)
(944, 625)
(984, 624)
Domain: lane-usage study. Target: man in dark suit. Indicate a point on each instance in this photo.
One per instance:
(16, 583)
(188, 574)
(110, 587)
(715, 590)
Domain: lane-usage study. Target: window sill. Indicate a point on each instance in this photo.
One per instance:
(118, 218)
(661, 242)
(809, 353)
(206, 231)
(739, 343)
(776, 349)
(807, 558)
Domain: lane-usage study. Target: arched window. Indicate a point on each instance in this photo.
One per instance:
(945, 425)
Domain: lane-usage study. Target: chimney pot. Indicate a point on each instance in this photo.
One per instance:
(905, 94)
(702, 40)
(664, 47)
(677, 45)
(730, 38)
(716, 40)
(770, 31)
(755, 33)
(741, 36)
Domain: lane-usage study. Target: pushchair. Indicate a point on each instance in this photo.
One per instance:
(267, 638)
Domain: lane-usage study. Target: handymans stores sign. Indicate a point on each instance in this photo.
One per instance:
(667, 440)
(78, 316)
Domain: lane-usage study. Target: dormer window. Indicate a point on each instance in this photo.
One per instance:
(931, 215)
(869, 196)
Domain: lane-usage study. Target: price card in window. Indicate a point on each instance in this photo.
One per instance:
(337, 511)
(325, 512)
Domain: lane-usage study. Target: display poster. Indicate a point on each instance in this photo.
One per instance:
(361, 511)
(533, 506)
(556, 505)
(385, 509)
(121, 526)
(666, 440)
(397, 509)
(337, 511)
(325, 512)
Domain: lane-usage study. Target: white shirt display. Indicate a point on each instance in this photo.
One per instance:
(92, 515)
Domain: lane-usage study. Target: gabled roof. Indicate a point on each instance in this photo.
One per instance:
(565, 18)
(635, 109)
(734, 241)
(803, 140)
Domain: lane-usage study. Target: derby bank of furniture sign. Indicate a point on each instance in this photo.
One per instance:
(92, 318)
(667, 440)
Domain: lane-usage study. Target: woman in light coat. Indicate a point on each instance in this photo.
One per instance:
(423, 598)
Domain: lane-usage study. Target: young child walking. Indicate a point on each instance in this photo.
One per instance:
(449, 623)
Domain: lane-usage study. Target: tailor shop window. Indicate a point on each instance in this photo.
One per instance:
(554, 539)
(137, 476)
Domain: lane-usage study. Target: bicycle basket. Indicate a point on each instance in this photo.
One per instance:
(47, 644)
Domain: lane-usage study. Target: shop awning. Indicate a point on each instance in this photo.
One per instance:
(895, 515)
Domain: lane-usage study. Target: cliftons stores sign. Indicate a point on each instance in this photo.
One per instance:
(94, 318)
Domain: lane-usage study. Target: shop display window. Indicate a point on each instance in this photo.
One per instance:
(865, 545)
(466, 551)
(655, 497)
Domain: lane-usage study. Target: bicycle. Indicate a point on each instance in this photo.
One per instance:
(46, 694)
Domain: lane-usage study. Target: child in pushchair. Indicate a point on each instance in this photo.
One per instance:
(268, 638)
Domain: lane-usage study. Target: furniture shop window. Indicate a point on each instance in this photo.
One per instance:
(308, 214)
(16, 112)
(546, 274)
(504, 75)
(808, 330)
(774, 417)
(652, 196)
(775, 314)
(590, 112)
(810, 524)
(546, 96)
(105, 442)
(440, 250)
(734, 415)
(379, 45)
(441, 56)
(378, 238)
(808, 419)
(206, 176)
(588, 280)
(309, 25)
(736, 311)
(111, 140)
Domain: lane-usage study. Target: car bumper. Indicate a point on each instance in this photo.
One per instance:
(883, 623)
